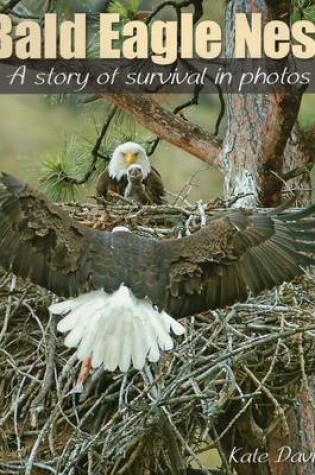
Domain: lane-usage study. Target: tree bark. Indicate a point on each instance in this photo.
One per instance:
(170, 127)
(258, 126)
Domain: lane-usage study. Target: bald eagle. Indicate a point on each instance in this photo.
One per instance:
(114, 177)
(127, 291)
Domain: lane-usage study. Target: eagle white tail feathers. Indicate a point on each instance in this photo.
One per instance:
(116, 329)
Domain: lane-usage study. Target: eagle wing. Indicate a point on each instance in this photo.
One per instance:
(41, 242)
(236, 252)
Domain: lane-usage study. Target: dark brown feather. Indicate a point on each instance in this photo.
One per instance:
(153, 184)
(237, 252)
(105, 184)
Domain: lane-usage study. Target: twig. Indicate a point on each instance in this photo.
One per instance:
(37, 404)
(95, 154)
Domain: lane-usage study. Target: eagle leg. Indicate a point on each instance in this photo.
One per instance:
(85, 369)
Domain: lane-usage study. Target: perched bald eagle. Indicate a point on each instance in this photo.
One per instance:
(114, 177)
(129, 289)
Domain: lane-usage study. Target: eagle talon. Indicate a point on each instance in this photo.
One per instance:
(77, 389)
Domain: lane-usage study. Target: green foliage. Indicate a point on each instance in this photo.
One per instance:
(74, 159)
(303, 10)
(125, 129)
(70, 162)
(126, 11)
(117, 7)
(309, 13)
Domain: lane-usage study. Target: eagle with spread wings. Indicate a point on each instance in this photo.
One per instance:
(126, 292)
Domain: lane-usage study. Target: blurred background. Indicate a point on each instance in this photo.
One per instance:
(34, 134)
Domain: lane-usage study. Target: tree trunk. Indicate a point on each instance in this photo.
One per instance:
(258, 126)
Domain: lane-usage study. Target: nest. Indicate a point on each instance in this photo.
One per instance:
(155, 421)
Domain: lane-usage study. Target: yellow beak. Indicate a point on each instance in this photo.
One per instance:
(131, 158)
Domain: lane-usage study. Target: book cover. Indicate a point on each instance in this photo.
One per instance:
(157, 237)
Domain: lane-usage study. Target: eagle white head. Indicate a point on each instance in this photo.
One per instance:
(127, 154)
